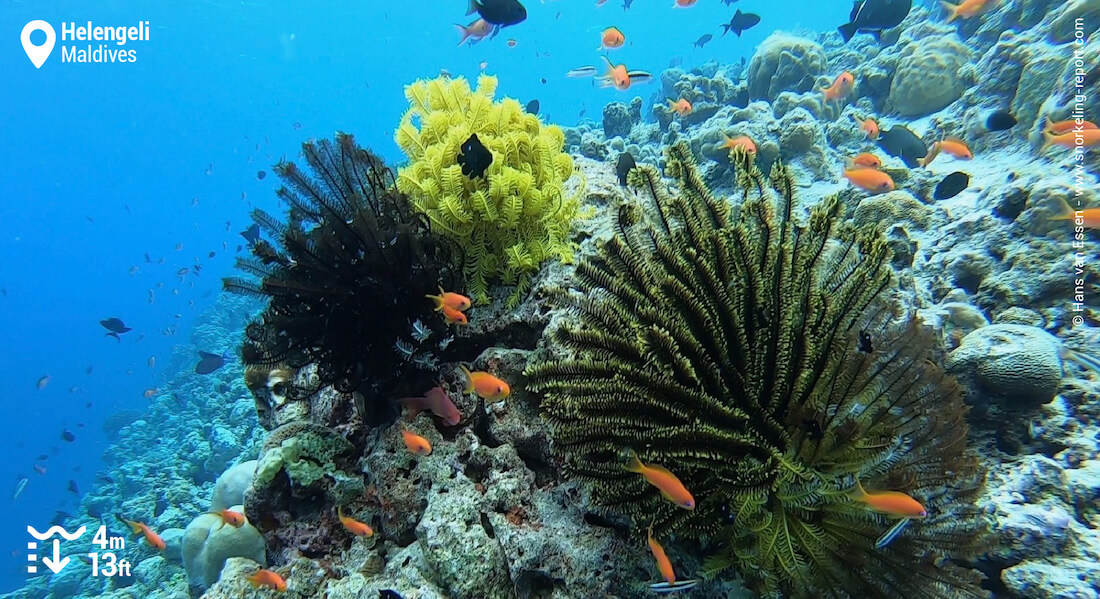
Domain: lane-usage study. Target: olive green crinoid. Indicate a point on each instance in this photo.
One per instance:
(757, 354)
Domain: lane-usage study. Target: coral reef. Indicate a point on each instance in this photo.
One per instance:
(346, 279)
(1021, 365)
(783, 62)
(927, 77)
(208, 542)
(230, 487)
(619, 118)
(515, 217)
(682, 349)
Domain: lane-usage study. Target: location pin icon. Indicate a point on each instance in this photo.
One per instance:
(38, 54)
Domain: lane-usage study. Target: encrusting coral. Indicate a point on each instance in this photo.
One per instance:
(513, 218)
(759, 359)
(347, 277)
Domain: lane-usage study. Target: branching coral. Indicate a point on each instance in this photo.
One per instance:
(347, 277)
(517, 216)
(724, 344)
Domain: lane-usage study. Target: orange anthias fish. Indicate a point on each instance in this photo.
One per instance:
(1066, 126)
(452, 316)
(354, 526)
(664, 565)
(865, 159)
(416, 444)
(485, 385)
(869, 179)
(1088, 137)
(840, 88)
(966, 9)
(681, 107)
(449, 299)
(437, 401)
(1090, 217)
(741, 141)
(956, 147)
(933, 151)
(139, 528)
(890, 503)
(620, 78)
(666, 482)
(611, 38)
(476, 30)
(684, 3)
(868, 126)
(228, 516)
(267, 578)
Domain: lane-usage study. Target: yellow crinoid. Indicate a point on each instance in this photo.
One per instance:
(513, 218)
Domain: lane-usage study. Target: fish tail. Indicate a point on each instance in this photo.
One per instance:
(438, 299)
(847, 31)
(1048, 139)
(1047, 123)
(465, 35)
(472, 8)
(952, 10)
(1067, 211)
(131, 525)
(469, 379)
(634, 464)
(858, 493)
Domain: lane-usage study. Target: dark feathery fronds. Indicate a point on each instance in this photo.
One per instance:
(722, 344)
(346, 275)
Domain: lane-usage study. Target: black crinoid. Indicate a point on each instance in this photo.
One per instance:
(759, 356)
(347, 276)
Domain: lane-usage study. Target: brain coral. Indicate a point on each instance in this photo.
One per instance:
(1013, 361)
(927, 78)
(785, 63)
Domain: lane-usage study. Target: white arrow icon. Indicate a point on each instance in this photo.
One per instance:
(56, 564)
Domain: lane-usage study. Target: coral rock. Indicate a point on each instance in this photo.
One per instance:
(208, 542)
(230, 487)
(785, 63)
(1020, 363)
(927, 77)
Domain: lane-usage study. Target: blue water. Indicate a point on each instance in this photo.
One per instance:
(105, 163)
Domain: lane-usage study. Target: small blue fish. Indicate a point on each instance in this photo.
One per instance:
(894, 532)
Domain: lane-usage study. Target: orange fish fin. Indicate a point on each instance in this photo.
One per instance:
(952, 10)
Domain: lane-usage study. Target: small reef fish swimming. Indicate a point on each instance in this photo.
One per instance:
(474, 157)
(1066, 126)
(967, 9)
(892, 533)
(684, 3)
(354, 526)
(873, 16)
(532, 107)
(900, 142)
(19, 488)
(869, 179)
(42, 382)
(666, 482)
(865, 159)
(579, 72)
(140, 528)
(703, 39)
(67, 436)
(841, 87)
(620, 78)
(450, 299)
(452, 316)
(681, 107)
(1090, 217)
(437, 402)
(951, 185)
(889, 503)
(868, 126)
(485, 385)
(115, 327)
(474, 32)
(741, 141)
(251, 234)
(740, 22)
(956, 148)
(1089, 138)
(501, 13)
(664, 565)
(268, 579)
(416, 444)
(933, 152)
(611, 38)
(228, 516)
(624, 166)
(209, 362)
